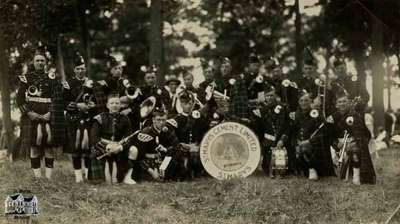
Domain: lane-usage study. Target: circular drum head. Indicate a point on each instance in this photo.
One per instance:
(230, 150)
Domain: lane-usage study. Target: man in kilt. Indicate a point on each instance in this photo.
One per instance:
(254, 80)
(286, 90)
(40, 100)
(190, 126)
(313, 157)
(150, 87)
(188, 80)
(348, 130)
(80, 110)
(171, 88)
(270, 122)
(154, 143)
(352, 84)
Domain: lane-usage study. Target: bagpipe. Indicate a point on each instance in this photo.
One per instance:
(85, 96)
(107, 147)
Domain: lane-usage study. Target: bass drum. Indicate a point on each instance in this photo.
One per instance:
(230, 150)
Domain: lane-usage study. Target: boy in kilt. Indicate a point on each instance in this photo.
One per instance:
(109, 151)
(40, 100)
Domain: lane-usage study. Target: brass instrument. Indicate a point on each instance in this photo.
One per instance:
(322, 83)
(147, 106)
(178, 105)
(342, 152)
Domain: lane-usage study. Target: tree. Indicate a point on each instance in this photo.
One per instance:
(377, 70)
(7, 127)
(156, 38)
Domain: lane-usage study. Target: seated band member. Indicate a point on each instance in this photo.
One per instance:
(40, 100)
(311, 143)
(352, 137)
(154, 143)
(190, 125)
(270, 122)
(109, 151)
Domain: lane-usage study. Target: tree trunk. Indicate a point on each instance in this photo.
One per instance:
(82, 6)
(60, 58)
(389, 83)
(7, 132)
(359, 59)
(156, 39)
(298, 41)
(377, 70)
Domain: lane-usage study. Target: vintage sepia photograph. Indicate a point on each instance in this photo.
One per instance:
(200, 111)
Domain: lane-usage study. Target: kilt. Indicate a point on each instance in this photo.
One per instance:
(78, 133)
(57, 121)
(367, 172)
(96, 169)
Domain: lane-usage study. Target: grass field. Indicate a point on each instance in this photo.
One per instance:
(257, 199)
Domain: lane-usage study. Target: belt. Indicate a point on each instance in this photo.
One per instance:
(269, 137)
(38, 99)
(151, 155)
(349, 139)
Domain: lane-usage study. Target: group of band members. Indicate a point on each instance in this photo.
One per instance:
(117, 131)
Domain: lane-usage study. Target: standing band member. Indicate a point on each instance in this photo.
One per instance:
(352, 84)
(150, 87)
(286, 89)
(188, 80)
(80, 110)
(171, 88)
(254, 80)
(40, 100)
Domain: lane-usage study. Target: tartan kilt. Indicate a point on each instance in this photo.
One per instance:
(70, 143)
(29, 133)
(367, 171)
(57, 121)
(96, 170)
(25, 133)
